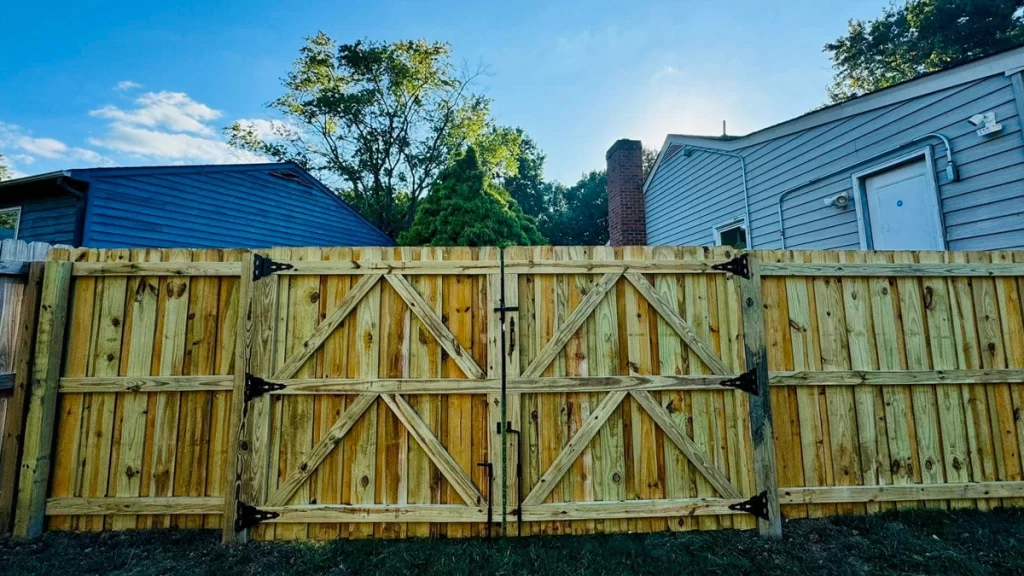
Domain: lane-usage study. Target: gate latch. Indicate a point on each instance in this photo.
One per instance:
(746, 382)
(757, 505)
(256, 387)
(248, 516)
(740, 266)
(263, 267)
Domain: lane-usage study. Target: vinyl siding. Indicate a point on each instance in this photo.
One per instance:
(46, 218)
(687, 197)
(222, 207)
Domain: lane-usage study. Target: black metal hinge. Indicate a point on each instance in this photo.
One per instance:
(263, 267)
(740, 266)
(256, 387)
(757, 505)
(248, 516)
(747, 382)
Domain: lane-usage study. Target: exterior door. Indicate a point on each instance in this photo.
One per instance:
(903, 209)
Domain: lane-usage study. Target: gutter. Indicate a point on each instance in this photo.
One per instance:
(952, 175)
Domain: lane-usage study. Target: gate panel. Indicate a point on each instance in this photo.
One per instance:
(375, 431)
(625, 424)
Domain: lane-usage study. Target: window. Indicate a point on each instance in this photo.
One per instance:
(732, 233)
(9, 220)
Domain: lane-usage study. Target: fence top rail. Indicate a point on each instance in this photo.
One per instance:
(13, 268)
(463, 267)
(891, 270)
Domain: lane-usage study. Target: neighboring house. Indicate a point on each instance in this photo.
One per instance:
(222, 206)
(933, 163)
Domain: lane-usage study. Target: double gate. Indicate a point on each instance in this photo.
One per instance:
(463, 392)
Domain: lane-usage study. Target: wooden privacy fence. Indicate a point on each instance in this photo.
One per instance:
(21, 274)
(400, 392)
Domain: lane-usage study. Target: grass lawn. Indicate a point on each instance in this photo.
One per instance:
(904, 543)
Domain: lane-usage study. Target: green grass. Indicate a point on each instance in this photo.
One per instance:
(905, 543)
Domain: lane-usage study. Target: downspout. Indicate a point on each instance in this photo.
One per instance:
(79, 210)
(743, 173)
(951, 174)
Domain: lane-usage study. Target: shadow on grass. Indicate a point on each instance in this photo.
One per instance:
(920, 542)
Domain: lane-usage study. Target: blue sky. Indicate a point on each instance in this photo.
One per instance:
(127, 83)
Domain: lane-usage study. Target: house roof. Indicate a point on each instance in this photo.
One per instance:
(83, 174)
(1007, 62)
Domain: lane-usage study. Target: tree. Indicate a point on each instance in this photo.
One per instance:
(378, 121)
(526, 185)
(465, 208)
(578, 214)
(921, 36)
(649, 157)
(5, 172)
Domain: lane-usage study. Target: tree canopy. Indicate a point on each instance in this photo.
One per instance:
(465, 208)
(578, 214)
(378, 121)
(5, 172)
(919, 37)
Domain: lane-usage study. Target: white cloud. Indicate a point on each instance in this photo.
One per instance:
(267, 130)
(45, 147)
(165, 146)
(174, 111)
(30, 148)
(171, 127)
(127, 85)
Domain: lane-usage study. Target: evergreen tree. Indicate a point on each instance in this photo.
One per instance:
(465, 209)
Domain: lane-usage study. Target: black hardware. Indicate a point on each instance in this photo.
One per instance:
(757, 505)
(490, 494)
(256, 387)
(519, 475)
(501, 310)
(248, 516)
(263, 266)
(747, 382)
(739, 266)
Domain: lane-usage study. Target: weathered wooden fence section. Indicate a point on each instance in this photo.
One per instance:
(21, 273)
(402, 392)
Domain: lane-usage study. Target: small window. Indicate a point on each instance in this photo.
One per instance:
(9, 220)
(732, 233)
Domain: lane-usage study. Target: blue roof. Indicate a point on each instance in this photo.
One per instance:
(238, 205)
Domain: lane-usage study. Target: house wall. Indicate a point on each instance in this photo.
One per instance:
(983, 210)
(45, 216)
(217, 207)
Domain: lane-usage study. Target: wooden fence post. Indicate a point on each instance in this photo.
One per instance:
(249, 443)
(14, 425)
(765, 478)
(242, 344)
(42, 403)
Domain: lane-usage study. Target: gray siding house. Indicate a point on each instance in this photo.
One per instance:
(933, 163)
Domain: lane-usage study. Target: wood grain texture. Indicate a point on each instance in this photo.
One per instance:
(42, 403)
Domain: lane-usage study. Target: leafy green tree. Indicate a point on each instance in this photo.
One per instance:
(379, 121)
(5, 172)
(649, 157)
(527, 185)
(465, 208)
(918, 37)
(578, 214)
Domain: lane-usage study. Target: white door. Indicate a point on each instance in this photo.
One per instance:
(903, 209)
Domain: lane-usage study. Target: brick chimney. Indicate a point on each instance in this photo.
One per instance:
(627, 222)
